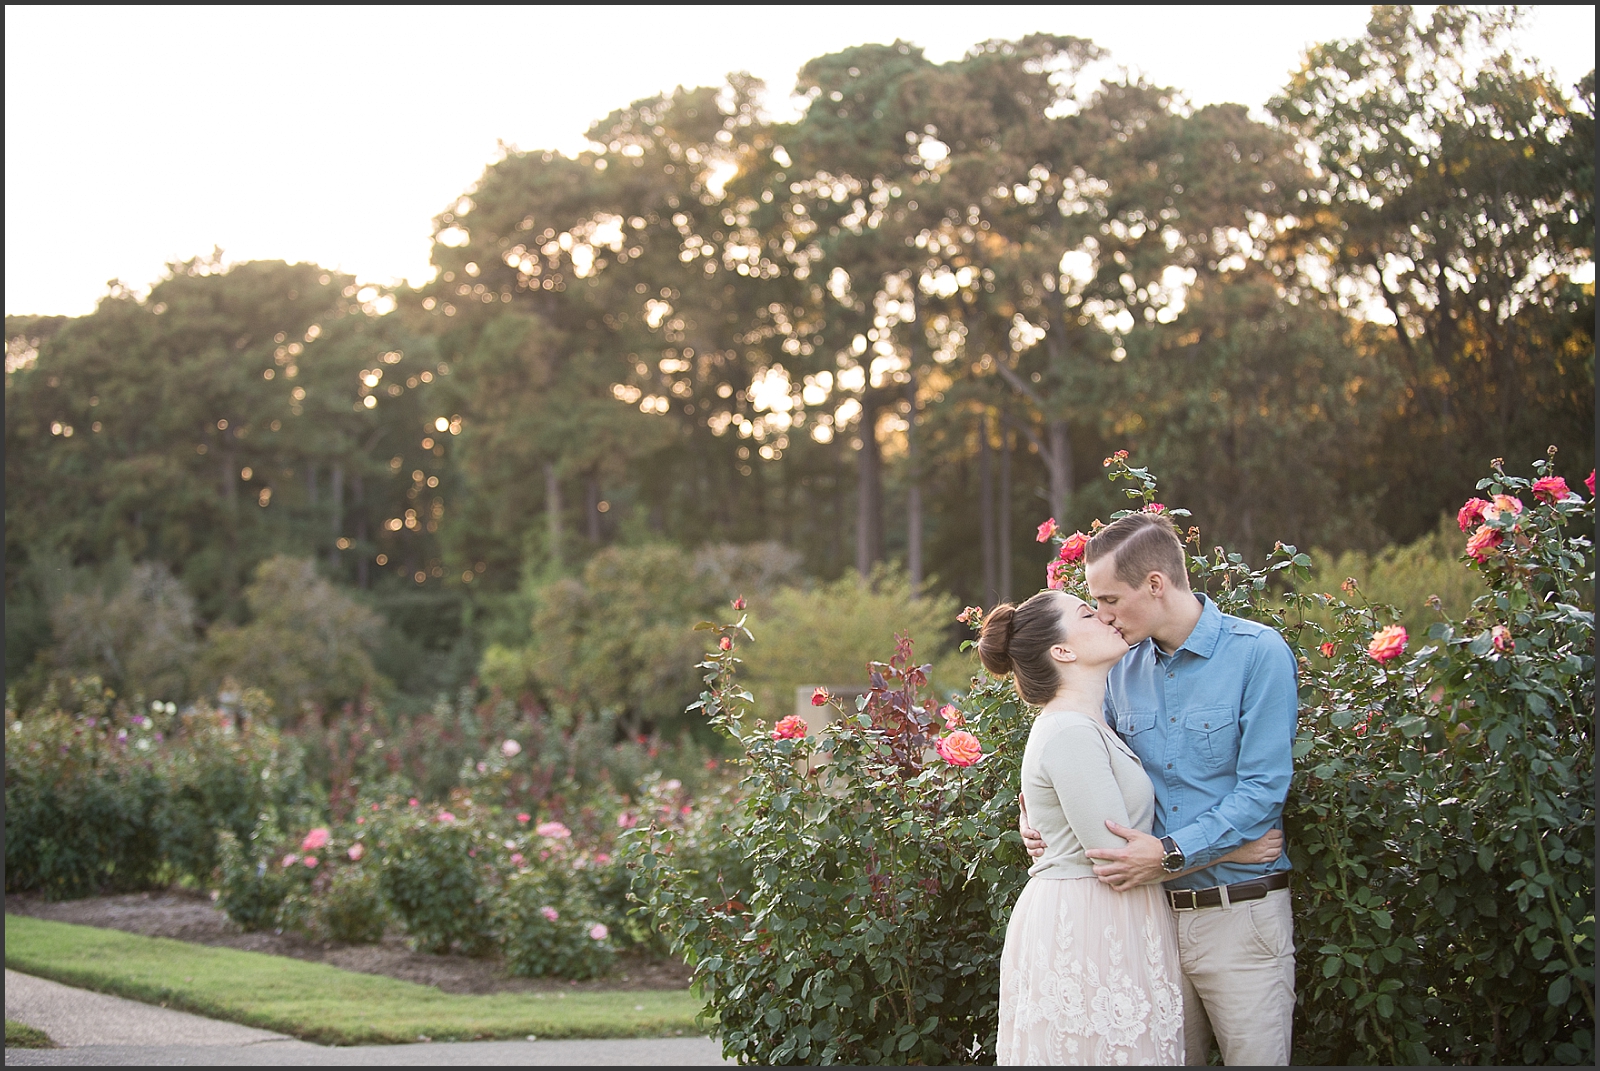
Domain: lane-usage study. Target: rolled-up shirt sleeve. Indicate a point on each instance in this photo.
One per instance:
(1267, 722)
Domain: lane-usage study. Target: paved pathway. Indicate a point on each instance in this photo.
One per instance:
(92, 1028)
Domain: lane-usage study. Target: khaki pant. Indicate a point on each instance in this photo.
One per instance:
(1238, 980)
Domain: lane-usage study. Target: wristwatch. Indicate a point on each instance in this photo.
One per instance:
(1171, 855)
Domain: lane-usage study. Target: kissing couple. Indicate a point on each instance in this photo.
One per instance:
(1156, 916)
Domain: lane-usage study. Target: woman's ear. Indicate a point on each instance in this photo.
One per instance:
(1062, 653)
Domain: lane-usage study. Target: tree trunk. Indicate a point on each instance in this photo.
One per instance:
(360, 488)
(336, 493)
(591, 507)
(914, 495)
(1004, 514)
(552, 510)
(1059, 464)
(986, 510)
(869, 495)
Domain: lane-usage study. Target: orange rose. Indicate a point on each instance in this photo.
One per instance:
(791, 728)
(959, 748)
(1388, 643)
(1483, 542)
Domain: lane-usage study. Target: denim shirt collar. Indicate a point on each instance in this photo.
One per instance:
(1203, 640)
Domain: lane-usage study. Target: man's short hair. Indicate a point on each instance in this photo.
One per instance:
(1141, 544)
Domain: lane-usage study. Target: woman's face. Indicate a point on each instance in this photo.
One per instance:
(1094, 641)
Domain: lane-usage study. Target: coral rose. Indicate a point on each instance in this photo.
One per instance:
(1471, 513)
(317, 838)
(1501, 637)
(1046, 530)
(1327, 650)
(959, 748)
(1502, 504)
(791, 728)
(1073, 547)
(553, 830)
(1055, 575)
(1551, 489)
(524, 818)
(310, 861)
(1388, 643)
(1482, 543)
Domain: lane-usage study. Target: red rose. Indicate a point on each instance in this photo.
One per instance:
(1551, 489)
(1471, 514)
(820, 697)
(1072, 549)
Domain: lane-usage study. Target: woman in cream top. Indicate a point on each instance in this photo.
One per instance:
(1077, 774)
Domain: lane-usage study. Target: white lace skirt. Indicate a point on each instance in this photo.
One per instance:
(1090, 976)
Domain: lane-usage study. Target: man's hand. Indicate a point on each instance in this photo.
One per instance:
(1030, 836)
(1128, 868)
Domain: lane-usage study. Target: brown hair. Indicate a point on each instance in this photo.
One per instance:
(1141, 543)
(1017, 639)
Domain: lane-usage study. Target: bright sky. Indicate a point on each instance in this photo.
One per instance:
(138, 136)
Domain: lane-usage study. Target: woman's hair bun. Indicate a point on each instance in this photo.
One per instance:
(994, 642)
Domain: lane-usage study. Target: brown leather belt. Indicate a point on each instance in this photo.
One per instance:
(1218, 895)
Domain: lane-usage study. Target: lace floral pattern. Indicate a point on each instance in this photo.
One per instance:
(1090, 976)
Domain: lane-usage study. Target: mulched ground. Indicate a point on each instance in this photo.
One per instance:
(192, 917)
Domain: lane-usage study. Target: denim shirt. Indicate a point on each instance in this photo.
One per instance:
(1214, 726)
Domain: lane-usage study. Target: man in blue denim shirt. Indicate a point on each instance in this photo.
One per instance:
(1208, 703)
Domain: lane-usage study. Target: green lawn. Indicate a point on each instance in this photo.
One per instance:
(321, 1003)
(23, 1036)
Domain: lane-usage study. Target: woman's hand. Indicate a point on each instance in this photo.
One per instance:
(1262, 850)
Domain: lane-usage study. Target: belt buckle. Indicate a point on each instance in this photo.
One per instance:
(1194, 900)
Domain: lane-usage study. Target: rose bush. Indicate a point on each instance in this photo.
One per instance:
(1441, 824)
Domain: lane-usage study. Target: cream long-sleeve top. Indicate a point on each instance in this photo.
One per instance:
(1076, 773)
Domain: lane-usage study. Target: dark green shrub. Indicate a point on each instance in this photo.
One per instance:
(252, 888)
(546, 929)
(350, 907)
(429, 873)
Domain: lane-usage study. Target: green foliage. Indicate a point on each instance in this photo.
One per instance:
(828, 634)
(351, 908)
(1406, 577)
(251, 888)
(308, 644)
(139, 637)
(869, 928)
(430, 875)
(102, 798)
(548, 930)
(23, 1036)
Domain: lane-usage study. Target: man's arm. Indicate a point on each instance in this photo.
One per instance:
(1266, 762)
(1267, 719)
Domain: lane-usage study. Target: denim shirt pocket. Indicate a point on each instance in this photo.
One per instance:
(1212, 735)
(1134, 722)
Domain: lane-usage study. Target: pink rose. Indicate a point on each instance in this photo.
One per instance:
(516, 858)
(602, 858)
(510, 749)
(820, 697)
(952, 716)
(1072, 549)
(738, 603)
(317, 838)
(553, 830)
(1483, 542)
(290, 860)
(413, 802)
(445, 816)
(726, 643)
(1551, 489)
(550, 913)
(524, 818)
(1155, 507)
(1501, 637)
(1589, 483)
(310, 861)
(598, 932)
(1388, 643)
(959, 748)
(627, 820)
(972, 615)
(1046, 530)
(1055, 575)
(355, 852)
(791, 728)
(1471, 513)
